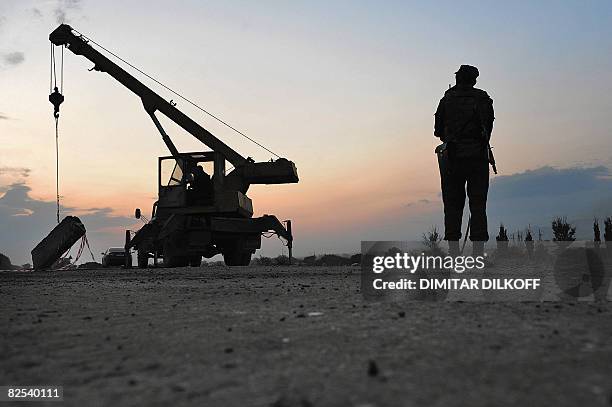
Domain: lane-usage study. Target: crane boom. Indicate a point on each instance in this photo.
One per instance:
(64, 36)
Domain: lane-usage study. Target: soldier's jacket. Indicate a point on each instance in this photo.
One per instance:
(464, 119)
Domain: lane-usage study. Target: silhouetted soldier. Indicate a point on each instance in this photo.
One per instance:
(464, 121)
(202, 186)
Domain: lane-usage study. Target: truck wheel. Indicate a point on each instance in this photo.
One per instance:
(237, 258)
(143, 259)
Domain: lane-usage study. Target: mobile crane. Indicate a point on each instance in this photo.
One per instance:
(195, 215)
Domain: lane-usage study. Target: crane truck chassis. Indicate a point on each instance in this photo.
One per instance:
(195, 214)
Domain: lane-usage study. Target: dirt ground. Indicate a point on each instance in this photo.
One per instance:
(290, 336)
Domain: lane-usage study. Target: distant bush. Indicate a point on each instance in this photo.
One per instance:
(431, 240)
(310, 260)
(608, 229)
(502, 236)
(356, 258)
(263, 261)
(563, 231)
(529, 244)
(281, 260)
(325, 260)
(333, 260)
(596, 231)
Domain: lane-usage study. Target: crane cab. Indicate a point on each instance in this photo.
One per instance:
(193, 183)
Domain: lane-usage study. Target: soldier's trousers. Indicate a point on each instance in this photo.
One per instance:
(472, 173)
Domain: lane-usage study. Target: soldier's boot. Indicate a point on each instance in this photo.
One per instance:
(453, 248)
(477, 249)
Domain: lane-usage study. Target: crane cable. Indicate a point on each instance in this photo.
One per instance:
(177, 94)
(56, 97)
(57, 197)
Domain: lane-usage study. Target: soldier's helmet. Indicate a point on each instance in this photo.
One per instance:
(468, 72)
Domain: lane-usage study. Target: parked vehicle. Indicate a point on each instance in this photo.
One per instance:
(115, 256)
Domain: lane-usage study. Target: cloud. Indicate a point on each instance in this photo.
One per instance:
(30, 220)
(419, 202)
(551, 182)
(12, 175)
(13, 58)
(20, 171)
(63, 8)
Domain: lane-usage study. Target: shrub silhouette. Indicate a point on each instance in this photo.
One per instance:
(431, 240)
(282, 260)
(310, 260)
(356, 258)
(563, 231)
(263, 261)
(502, 236)
(608, 229)
(596, 232)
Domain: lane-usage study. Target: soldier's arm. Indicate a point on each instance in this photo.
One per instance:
(491, 116)
(439, 120)
(488, 115)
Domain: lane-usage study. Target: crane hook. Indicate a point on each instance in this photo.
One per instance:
(56, 99)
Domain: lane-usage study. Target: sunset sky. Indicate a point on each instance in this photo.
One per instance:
(345, 89)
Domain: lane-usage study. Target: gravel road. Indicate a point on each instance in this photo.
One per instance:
(291, 336)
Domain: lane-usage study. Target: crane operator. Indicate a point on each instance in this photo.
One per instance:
(201, 187)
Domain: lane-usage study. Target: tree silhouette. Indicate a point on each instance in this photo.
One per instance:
(502, 236)
(596, 232)
(608, 229)
(562, 230)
